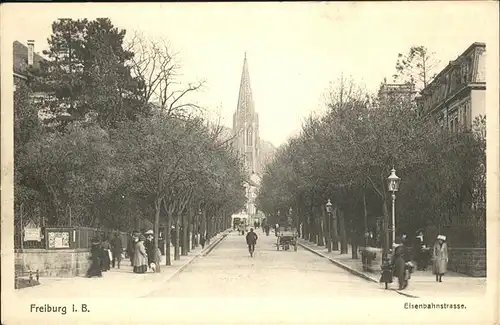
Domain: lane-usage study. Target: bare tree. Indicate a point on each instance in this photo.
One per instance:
(416, 67)
(157, 69)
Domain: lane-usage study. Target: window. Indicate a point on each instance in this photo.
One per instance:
(249, 137)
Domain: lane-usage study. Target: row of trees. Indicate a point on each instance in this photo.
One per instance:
(346, 155)
(121, 140)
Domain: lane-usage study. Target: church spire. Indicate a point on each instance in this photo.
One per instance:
(245, 99)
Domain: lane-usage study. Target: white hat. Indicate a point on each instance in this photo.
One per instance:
(149, 232)
(441, 237)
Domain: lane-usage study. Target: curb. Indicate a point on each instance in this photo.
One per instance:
(204, 252)
(339, 264)
(351, 270)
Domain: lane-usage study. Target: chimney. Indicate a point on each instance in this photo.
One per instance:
(31, 52)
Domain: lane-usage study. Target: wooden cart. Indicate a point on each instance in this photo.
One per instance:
(286, 237)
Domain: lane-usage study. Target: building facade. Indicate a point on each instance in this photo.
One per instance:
(246, 125)
(457, 94)
(24, 57)
(403, 93)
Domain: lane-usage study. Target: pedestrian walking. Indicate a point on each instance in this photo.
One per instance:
(140, 256)
(251, 239)
(116, 250)
(440, 257)
(95, 257)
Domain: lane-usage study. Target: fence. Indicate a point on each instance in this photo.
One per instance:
(65, 238)
(31, 231)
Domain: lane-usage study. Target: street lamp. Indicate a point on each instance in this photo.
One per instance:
(393, 186)
(331, 226)
(329, 206)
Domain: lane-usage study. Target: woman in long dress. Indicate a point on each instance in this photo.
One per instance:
(140, 256)
(95, 256)
(440, 257)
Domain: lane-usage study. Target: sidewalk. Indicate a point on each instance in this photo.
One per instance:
(121, 282)
(422, 283)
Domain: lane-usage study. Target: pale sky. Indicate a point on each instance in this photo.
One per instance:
(294, 49)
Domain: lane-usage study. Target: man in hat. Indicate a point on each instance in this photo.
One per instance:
(116, 250)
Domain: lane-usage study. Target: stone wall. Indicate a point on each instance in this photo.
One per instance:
(470, 261)
(53, 263)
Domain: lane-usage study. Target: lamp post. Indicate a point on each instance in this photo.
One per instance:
(329, 213)
(393, 186)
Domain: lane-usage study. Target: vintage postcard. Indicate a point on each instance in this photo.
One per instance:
(250, 163)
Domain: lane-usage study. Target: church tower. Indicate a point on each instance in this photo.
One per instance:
(246, 124)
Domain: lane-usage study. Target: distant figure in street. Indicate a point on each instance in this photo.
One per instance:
(95, 256)
(202, 241)
(399, 266)
(130, 246)
(140, 256)
(440, 257)
(150, 249)
(251, 241)
(276, 229)
(116, 250)
(106, 255)
(418, 254)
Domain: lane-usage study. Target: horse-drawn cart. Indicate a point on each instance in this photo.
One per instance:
(286, 237)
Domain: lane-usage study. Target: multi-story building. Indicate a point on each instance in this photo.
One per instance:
(396, 92)
(456, 96)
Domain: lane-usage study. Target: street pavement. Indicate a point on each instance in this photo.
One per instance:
(422, 283)
(227, 286)
(229, 271)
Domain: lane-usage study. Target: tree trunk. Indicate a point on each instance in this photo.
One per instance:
(321, 238)
(157, 232)
(185, 235)
(203, 225)
(168, 239)
(343, 234)
(193, 234)
(385, 231)
(177, 239)
(328, 235)
(365, 219)
(335, 234)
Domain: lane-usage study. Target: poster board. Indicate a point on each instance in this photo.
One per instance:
(58, 239)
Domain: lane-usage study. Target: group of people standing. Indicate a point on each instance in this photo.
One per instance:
(141, 252)
(402, 261)
(105, 254)
(109, 252)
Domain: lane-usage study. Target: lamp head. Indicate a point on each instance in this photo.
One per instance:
(393, 181)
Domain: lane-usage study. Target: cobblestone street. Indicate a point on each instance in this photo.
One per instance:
(229, 271)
